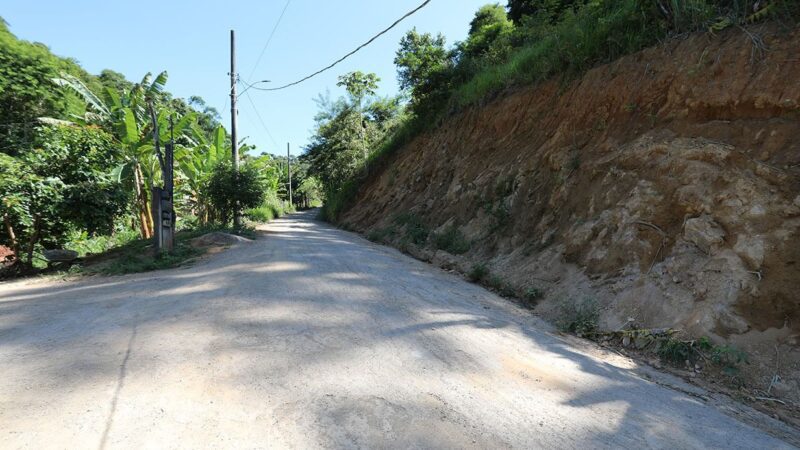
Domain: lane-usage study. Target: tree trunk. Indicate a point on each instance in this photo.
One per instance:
(33, 240)
(12, 238)
(143, 210)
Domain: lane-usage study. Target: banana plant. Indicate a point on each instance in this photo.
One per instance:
(126, 115)
(196, 164)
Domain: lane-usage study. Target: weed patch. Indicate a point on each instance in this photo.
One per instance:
(580, 317)
(415, 229)
(452, 240)
(477, 272)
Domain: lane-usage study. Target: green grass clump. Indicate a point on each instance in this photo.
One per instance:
(679, 352)
(415, 229)
(272, 208)
(381, 235)
(139, 255)
(478, 272)
(136, 259)
(533, 295)
(452, 240)
(578, 316)
(84, 244)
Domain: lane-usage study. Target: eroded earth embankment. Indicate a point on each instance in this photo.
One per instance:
(665, 186)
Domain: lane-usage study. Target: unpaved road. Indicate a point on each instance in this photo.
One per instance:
(313, 337)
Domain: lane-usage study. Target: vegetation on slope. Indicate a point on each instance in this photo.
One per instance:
(526, 42)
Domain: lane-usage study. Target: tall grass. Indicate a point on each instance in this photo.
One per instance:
(271, 208)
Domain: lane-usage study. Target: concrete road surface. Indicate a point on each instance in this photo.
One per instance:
(312, 337)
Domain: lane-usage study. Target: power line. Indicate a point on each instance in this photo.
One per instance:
(269, 39)
(260, 119)
(396, 22)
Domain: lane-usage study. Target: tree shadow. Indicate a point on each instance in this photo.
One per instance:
(356, 327)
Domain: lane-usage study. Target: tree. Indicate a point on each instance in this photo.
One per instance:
(549, 10)
(488, 34)
(64, 183)
(127, 115)
(26, 90)
(228, 189)
(196, 164)
(359, 85)
(423, 64)
(346, 129)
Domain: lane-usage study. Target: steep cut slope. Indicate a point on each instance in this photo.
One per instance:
(665, 186)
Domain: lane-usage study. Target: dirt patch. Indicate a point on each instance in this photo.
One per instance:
(217, 239)
(665, 186)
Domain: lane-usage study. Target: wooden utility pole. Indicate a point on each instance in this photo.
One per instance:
(234, 146)
(289, 168)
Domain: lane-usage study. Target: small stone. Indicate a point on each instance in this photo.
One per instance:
(60, 255)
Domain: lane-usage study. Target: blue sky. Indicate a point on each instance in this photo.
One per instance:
(190, 41)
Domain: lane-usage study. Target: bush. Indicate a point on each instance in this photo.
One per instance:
(415, 229)
(380, 235)
(225, 188)
(271, 208)
(579, 317)
(478, 272)
(81, 242)
(533, 295)
(452, 240)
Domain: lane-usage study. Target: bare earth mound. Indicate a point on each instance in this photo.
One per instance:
(218, 239)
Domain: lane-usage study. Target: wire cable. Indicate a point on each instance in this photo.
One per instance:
(294, 83)
(269, 39)
(260, 119)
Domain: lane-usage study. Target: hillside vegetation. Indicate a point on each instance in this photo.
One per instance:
(78, 159)
(627, 169)
(528, 41)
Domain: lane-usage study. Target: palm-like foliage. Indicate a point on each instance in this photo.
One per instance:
(125, 114)
(196, 164)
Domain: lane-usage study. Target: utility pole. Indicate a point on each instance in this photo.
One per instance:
(289, 167)
(234, 147)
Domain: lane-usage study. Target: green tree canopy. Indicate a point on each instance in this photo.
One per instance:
(423, 64)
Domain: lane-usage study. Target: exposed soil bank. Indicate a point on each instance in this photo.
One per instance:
(665, 186)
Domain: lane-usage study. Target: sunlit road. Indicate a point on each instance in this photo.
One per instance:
(313, 337)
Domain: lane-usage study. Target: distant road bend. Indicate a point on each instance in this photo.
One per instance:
(312, 337)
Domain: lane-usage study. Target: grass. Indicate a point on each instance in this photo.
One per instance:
(139, 255)
(580, 317)
(415, 229)
(272, 208)
(452, 240)
(478, 272)
(85, 245)
(381, 235)
(599, 32)
(533, 295)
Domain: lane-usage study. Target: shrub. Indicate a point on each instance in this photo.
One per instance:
(452, 241)
(226, 187)
(579, 317)
(533, 295)
(271, 208)
(415, 229)
(478, 272)
(381, 235)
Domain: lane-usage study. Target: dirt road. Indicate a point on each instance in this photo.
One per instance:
(313, 337)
